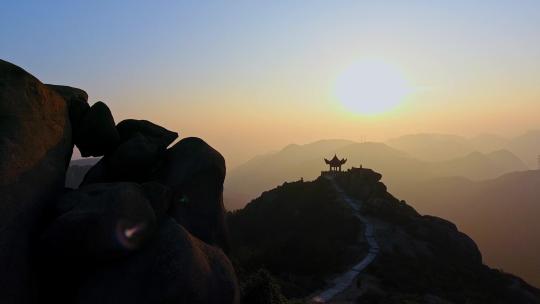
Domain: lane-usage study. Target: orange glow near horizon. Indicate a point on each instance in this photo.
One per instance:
(250, 79)
(243, 122)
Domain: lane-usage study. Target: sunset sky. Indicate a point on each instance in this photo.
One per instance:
(253, 76)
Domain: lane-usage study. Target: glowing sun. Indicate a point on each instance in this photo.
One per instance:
(371, 87)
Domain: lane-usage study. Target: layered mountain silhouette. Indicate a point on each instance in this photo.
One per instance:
(420, 157)
(296, 161)
(344, 239)
(77, 170)
(439, 147)
(433, 147)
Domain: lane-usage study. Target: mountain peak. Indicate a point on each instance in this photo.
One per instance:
(347, 221)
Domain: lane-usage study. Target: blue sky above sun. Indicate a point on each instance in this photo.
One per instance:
(229, 71)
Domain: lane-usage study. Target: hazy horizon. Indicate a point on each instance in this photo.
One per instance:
(253, 78)
(239, 161)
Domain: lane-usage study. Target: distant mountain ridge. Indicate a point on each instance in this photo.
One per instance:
(306, 161)
(438, 147)
(432, 147)
(89, 161)
(78, 169)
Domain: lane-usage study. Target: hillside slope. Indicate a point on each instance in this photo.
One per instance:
(298, 230)
(493, 212)
(305, 235)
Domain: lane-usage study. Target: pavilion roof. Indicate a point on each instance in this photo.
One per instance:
(335, 161)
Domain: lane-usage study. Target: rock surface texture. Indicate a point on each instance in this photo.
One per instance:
(146, 226)
(35, 148)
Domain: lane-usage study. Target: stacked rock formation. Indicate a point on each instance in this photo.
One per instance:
(146, 225)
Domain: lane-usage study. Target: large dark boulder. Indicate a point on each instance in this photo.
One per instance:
(174, 267)
(158, 135)
(77, 101)
(95, 225)
(69, 93)
(134, 157)
(99, 222)
(134, 160)
(35, 147)
(144, 242)
(195, 172)
(98, 134)
(159, 196)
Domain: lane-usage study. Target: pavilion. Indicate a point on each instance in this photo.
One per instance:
(335, 163)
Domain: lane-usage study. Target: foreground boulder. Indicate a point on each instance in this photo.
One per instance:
(133, 160)
(115, 242)
(160, 197)
(142, 146)
(99, 222)
(193, 170)
(195, 173)
(77, 102)
(98, 134)
(35, 148)
(174, 268)
(70, 94)
(160, 136)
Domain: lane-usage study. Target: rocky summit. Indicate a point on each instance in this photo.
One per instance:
(343, 238)
(147, 225)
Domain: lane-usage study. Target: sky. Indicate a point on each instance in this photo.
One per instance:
(250, 77)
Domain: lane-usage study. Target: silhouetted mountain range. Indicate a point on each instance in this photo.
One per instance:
(438, 147)
(296, 161)
(432, 147)
(77, 170)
